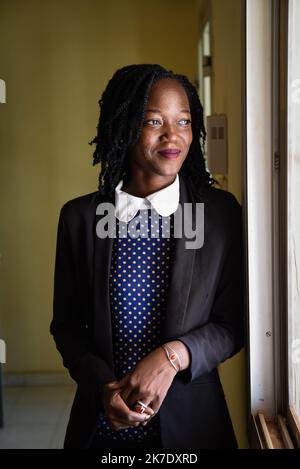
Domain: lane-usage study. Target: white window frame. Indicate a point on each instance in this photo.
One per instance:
(265, 201)
(259, 202)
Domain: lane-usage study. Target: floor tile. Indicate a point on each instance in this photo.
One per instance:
(35, 416)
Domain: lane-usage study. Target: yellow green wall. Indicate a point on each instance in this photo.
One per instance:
(56, 58)
(227, 49)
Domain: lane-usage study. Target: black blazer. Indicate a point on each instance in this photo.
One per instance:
(204, 310)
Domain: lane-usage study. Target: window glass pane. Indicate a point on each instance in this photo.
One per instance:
(294, 204)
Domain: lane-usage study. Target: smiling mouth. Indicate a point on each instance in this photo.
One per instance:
(170, 154)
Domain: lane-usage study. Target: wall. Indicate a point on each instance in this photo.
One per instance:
(227, 49)
(56, 59)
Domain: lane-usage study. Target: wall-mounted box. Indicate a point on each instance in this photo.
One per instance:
(217, 144)
(2, 91)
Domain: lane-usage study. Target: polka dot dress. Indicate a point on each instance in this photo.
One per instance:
(139, 280)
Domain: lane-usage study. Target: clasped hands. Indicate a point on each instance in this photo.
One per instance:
(148, 382)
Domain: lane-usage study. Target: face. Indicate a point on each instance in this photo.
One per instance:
(166, 133)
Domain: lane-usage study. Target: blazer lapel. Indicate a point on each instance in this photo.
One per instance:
(181, 276)
(101, 297)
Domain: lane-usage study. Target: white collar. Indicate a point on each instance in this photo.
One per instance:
(165, 201)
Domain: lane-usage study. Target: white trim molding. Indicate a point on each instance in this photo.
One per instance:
(259, 167)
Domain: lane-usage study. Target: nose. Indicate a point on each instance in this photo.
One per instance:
(168, 132)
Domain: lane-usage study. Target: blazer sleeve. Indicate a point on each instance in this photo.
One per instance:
(68, 325)
(223, 335)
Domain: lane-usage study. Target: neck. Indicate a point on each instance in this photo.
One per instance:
(144, 186)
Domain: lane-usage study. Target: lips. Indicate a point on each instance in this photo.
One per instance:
(170, 153)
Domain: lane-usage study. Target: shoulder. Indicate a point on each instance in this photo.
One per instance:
(218, 201)
(221, 200)
(80, 207)
(222, 211)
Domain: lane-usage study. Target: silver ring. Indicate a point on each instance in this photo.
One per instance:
(143, 406)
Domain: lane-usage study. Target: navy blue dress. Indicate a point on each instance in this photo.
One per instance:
(139, 281)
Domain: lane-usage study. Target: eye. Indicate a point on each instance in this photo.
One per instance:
(185, 122)
(152, 122)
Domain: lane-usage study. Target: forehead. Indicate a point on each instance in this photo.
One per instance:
(168, 89)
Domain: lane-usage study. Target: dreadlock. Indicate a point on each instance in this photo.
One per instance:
(122, 109)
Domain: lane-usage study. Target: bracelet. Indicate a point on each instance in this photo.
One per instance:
(179, 361)
(172, 357)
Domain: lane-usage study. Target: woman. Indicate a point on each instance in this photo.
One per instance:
(142, 322)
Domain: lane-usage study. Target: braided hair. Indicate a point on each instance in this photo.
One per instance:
(122, 110)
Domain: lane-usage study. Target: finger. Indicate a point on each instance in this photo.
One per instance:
(140, 409)
(118, 423)
(121, 412)
(114, 393)
(124, 379)
(113, 385)
(150, 411)
(126, 393)
(153, 409)
(147, 421)
(112, 389)
(151, 414)
(135, 417)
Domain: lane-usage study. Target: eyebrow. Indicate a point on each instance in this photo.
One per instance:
(157, 110)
